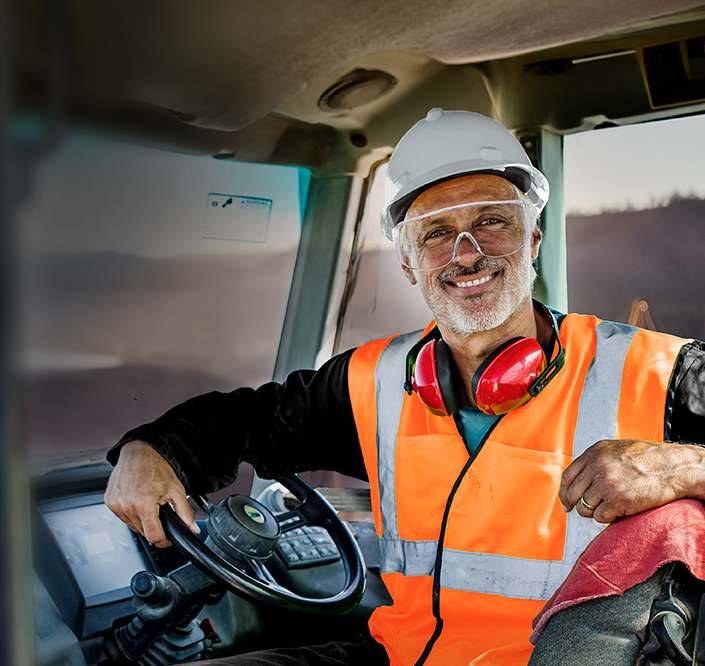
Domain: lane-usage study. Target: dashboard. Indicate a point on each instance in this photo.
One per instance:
(101, 551)
(84, 559)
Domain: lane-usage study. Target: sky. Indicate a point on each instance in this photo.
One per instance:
(637, 166)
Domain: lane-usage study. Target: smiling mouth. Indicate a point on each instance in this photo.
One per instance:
(474, 283)
(468, 277)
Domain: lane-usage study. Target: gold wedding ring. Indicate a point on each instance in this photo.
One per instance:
(587, 506)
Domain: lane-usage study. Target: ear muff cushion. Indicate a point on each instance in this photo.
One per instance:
(502, 382)
(446, 377)
(487, 362)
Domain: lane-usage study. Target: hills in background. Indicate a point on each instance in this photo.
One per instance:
(656, 254)
(114, 340)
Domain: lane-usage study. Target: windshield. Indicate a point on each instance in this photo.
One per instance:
(149, 277)
(635, 206)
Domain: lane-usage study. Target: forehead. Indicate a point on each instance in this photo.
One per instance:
(465, 189)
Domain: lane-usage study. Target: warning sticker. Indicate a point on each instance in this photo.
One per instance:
(232, 217)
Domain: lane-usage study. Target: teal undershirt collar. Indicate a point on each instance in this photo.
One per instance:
(473, 426)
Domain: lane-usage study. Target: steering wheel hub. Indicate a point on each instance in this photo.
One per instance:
(240, 526)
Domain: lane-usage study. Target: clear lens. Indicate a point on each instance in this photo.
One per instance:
(492, 228)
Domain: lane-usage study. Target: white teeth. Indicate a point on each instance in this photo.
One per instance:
(474, 283)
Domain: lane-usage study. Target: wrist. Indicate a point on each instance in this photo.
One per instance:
(694, 471)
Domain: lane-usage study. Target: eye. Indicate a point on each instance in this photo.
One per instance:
(436, 235)
(493, 223)
(490, 221)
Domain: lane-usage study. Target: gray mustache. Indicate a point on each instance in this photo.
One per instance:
(481, 264)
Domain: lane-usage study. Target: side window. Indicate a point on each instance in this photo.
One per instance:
(149, 277)
(635, 206)
(378, 301)
(381, 301)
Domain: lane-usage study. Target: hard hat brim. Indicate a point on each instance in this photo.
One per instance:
(528, 180)
(514, 175)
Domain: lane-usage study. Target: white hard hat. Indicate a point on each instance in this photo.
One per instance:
(448, 144)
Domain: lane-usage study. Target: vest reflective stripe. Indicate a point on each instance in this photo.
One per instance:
(480, 572)
(390, 368)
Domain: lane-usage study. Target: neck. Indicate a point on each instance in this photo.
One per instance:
(470, 351)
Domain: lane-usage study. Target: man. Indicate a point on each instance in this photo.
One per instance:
(490, 492)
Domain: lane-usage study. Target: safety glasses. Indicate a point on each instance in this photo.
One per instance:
(491, 228)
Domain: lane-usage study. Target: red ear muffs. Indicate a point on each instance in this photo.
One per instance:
(433, 380)
(509, 377)
(499, 385)
(503, 381)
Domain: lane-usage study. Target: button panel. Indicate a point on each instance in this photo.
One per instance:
(307, 546)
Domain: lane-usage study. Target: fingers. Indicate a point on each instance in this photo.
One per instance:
(151, 526)
(572, 484)
(585, 508)
(140, 512)
(615, 478)
(184, 511)
(140, 483)
(583, 484)
(579, 491)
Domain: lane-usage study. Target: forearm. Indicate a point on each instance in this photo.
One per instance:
(199, 438)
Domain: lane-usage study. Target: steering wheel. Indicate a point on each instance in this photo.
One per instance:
(247, 532)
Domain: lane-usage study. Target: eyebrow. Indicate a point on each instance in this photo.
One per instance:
(481, 205)
(444, 214)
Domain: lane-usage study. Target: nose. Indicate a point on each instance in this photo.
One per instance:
(466, 247)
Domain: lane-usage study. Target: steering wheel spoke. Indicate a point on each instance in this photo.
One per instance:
(263, 574)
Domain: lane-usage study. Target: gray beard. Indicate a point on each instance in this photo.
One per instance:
(474, 316)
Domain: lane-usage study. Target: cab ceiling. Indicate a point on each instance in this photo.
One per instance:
(221, 65)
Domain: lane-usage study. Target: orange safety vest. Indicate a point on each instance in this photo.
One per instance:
(508, 545)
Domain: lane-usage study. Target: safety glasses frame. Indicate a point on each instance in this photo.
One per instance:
(396, 232)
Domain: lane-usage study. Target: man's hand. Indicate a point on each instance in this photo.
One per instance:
(140, 483)
(622, 477)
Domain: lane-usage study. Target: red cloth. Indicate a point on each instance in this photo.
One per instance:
(628, 552)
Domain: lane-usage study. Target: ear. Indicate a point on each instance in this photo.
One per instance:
(410, 275)
(536, 237)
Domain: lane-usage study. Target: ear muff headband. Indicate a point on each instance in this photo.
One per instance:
(431, 373)
(509, 377)
(433, 334)
(555, 365)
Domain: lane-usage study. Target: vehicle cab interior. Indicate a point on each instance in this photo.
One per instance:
(190, 199)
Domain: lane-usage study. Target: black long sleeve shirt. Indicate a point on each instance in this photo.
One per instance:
(306, 423)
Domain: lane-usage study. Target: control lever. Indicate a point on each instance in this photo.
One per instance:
(164, 630)
(670, 628)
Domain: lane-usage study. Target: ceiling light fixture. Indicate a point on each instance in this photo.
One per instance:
(359, 87)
